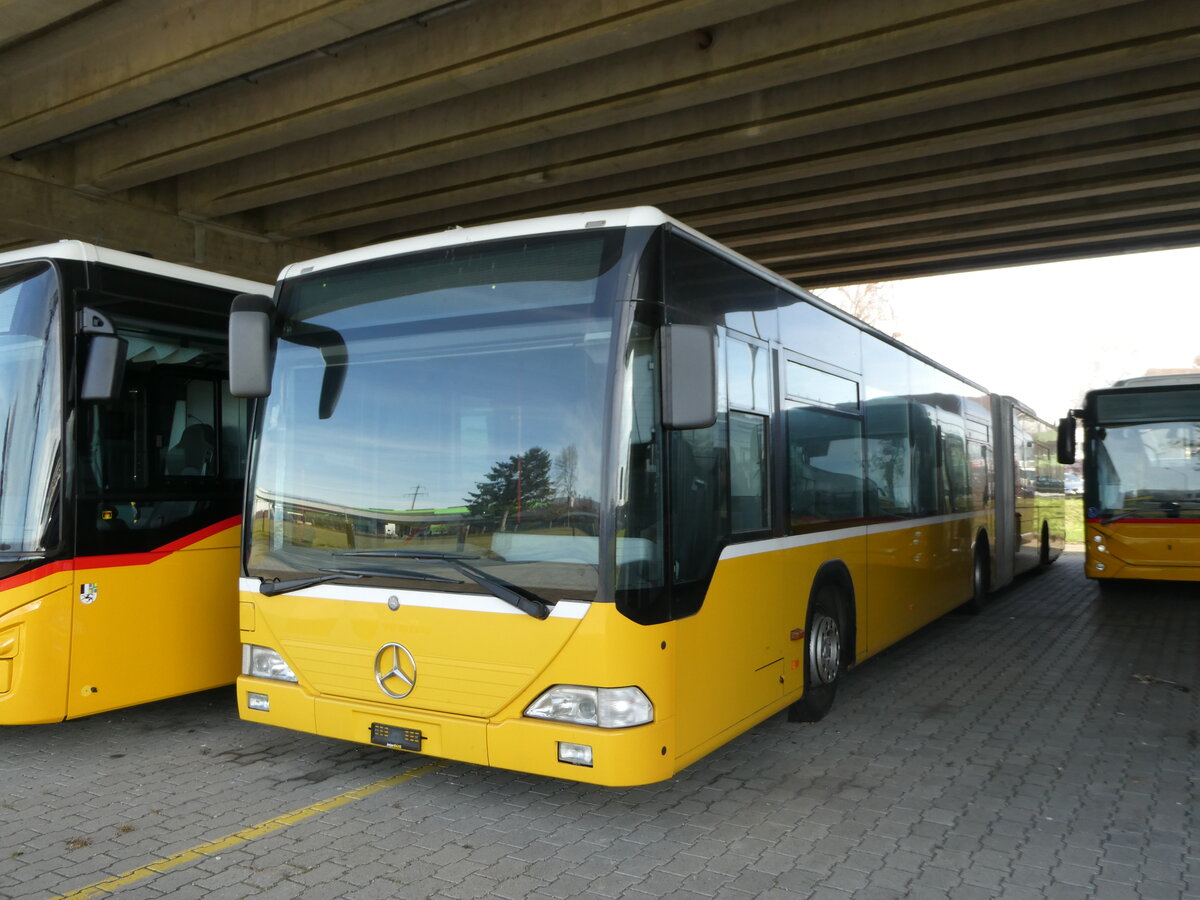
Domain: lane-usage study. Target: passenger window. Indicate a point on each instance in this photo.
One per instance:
(699, 473)
(749, 367)
(825, 467)
(748, 472)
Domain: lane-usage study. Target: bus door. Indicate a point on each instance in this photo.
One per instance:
(732, 648)
(156, 529)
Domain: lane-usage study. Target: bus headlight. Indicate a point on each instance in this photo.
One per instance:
(263, 662)
(600, 707)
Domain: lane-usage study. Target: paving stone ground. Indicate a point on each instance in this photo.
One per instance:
(1047, 748)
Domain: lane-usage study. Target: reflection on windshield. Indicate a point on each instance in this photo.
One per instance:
(469, 421)
(30, 408)
(1149, 471)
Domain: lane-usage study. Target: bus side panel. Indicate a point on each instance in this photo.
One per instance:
(743, 652)
(35, 634)
(730, 653)
(917, 574)
(161, 625)
(897, 559)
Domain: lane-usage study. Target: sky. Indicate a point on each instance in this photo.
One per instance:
(1047, 333)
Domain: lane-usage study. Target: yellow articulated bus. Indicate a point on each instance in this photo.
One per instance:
(121, 466)
(1141, 478)
(589, 495)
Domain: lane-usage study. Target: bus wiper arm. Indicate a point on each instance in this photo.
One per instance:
(271, 588)
(523, 599)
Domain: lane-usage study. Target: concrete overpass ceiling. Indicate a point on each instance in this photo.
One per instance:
(837, 141)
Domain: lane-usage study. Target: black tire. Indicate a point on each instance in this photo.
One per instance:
(981, 579)
(1044, 549)
(824, 640)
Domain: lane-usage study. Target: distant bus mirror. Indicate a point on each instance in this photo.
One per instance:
(1066, 440)
(689, 376)
(250, 346)
(105, 357)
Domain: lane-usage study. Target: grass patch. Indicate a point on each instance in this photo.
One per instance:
(1075, 519)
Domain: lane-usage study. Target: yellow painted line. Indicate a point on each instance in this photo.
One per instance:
(220, 845)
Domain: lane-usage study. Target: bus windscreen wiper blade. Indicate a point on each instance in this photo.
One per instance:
(523, 599)
(405, 554)
(393, 573)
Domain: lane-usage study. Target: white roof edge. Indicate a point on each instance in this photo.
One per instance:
(611, 218)
(85, 252)
(1180, 378)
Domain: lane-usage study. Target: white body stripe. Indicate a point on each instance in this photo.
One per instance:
(769, 545)
(483, 603)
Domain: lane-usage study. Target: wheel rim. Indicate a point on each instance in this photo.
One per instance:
(980, 577)
(824, 649)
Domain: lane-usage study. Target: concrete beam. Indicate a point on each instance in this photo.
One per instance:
(41, 212)
(1115, 185)
(21, 18)
(670, 78)
(471, 47)
(789, 117)
(1030, 222)
(1143, 101)
(1141, 142)
(134, 54)
(1110, 239)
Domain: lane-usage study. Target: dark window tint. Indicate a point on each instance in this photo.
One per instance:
(825, 467)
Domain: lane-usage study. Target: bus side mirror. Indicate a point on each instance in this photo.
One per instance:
(689, 376)
(250, 354)
(1066, 440)
(105, 364)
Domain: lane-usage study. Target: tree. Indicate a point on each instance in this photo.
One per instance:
(867, 302)
(513, 485)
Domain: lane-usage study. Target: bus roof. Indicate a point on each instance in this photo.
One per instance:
(1141, 381)
(84, 252)
(611, 218)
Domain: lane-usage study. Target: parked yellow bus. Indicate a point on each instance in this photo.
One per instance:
(664, 494)
(1141, 478)
(121, 466)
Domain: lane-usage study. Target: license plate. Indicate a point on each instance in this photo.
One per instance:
(396, 737)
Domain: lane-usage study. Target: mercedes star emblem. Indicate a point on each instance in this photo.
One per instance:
(395, 670)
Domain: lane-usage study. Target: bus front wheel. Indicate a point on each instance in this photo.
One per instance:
(822, 656)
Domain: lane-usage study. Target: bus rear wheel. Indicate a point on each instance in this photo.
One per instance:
(822, 656)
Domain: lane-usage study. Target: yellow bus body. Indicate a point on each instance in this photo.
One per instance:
(711, 676)
(99, 633)
(1162, 550)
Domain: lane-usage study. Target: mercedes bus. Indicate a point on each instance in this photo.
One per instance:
(665, 494)
(122, 455)
(1141, 478)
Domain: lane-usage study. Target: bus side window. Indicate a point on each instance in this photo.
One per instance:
(699, 467)
(825, 467)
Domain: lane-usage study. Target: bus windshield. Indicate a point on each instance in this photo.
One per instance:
(1147, 451)
(438, 411)
(30, 411)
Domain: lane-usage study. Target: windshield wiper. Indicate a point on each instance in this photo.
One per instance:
(394, 573)
(522, 598)
(271, 588)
